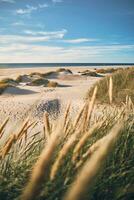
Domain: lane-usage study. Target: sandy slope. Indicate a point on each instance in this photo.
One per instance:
(35, 100)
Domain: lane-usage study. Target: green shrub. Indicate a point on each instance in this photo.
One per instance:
(38, 82)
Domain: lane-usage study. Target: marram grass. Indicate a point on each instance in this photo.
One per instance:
(84, 157)
(115, 88)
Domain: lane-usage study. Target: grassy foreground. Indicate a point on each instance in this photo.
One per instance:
(86, 157)
(123, 85)
(83, 158)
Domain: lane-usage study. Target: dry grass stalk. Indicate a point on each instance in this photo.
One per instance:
(24, 152)
(84, 118)
(41, 169)
(91, 105)
(47, 126)
(63, 152)
(67, 128)
(22, 130)
(80, 121)
(76, 121)
(89, 171)
(2, 127)
(84, 138)
(130, 103)
(110, 92)
(66, 114)
(8, 146)
(31, 125)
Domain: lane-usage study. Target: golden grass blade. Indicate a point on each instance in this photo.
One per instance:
(76, 121)
(89, 171)
(8, 146)
(41, 169)
(66, 114)
(2, 127)
(91, 105)
(67, 128)
(29, 147)
(46, 126)
(63, 152)
(22, 130)
(110, 92)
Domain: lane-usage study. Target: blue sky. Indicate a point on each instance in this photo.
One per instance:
(66, 31)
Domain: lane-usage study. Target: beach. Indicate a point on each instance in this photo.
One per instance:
(24, 100)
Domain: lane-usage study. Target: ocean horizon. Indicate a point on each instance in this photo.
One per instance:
(35, 65)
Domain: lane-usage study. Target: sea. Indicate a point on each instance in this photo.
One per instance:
(90, 65)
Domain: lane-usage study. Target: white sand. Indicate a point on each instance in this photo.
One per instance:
(35, 100)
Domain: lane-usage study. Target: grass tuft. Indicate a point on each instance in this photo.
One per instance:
(123, 86)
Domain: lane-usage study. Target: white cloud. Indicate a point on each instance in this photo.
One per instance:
(24, 39)
(31, 53)
(27, 48)
(8, 1)
(27, 10)
(80, 40)
(22, 49)
(53, 34)
(32, 37)
(30, 9)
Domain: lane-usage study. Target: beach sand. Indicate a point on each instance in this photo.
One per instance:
(33, 101)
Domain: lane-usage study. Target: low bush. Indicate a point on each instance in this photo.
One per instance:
(38, 82)
(52, 84)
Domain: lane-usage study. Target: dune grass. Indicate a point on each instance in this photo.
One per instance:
(87, 156)
(4, 86)
(123, 85)
(90, 73)
(44, 82)
(107, 70)
(8, 81)
(38, 82)
(64, 70)
(84, 157)
(52, 84)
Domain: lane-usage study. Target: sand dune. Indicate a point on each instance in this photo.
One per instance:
(23, 100)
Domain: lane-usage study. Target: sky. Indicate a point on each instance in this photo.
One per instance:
(79, 31)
